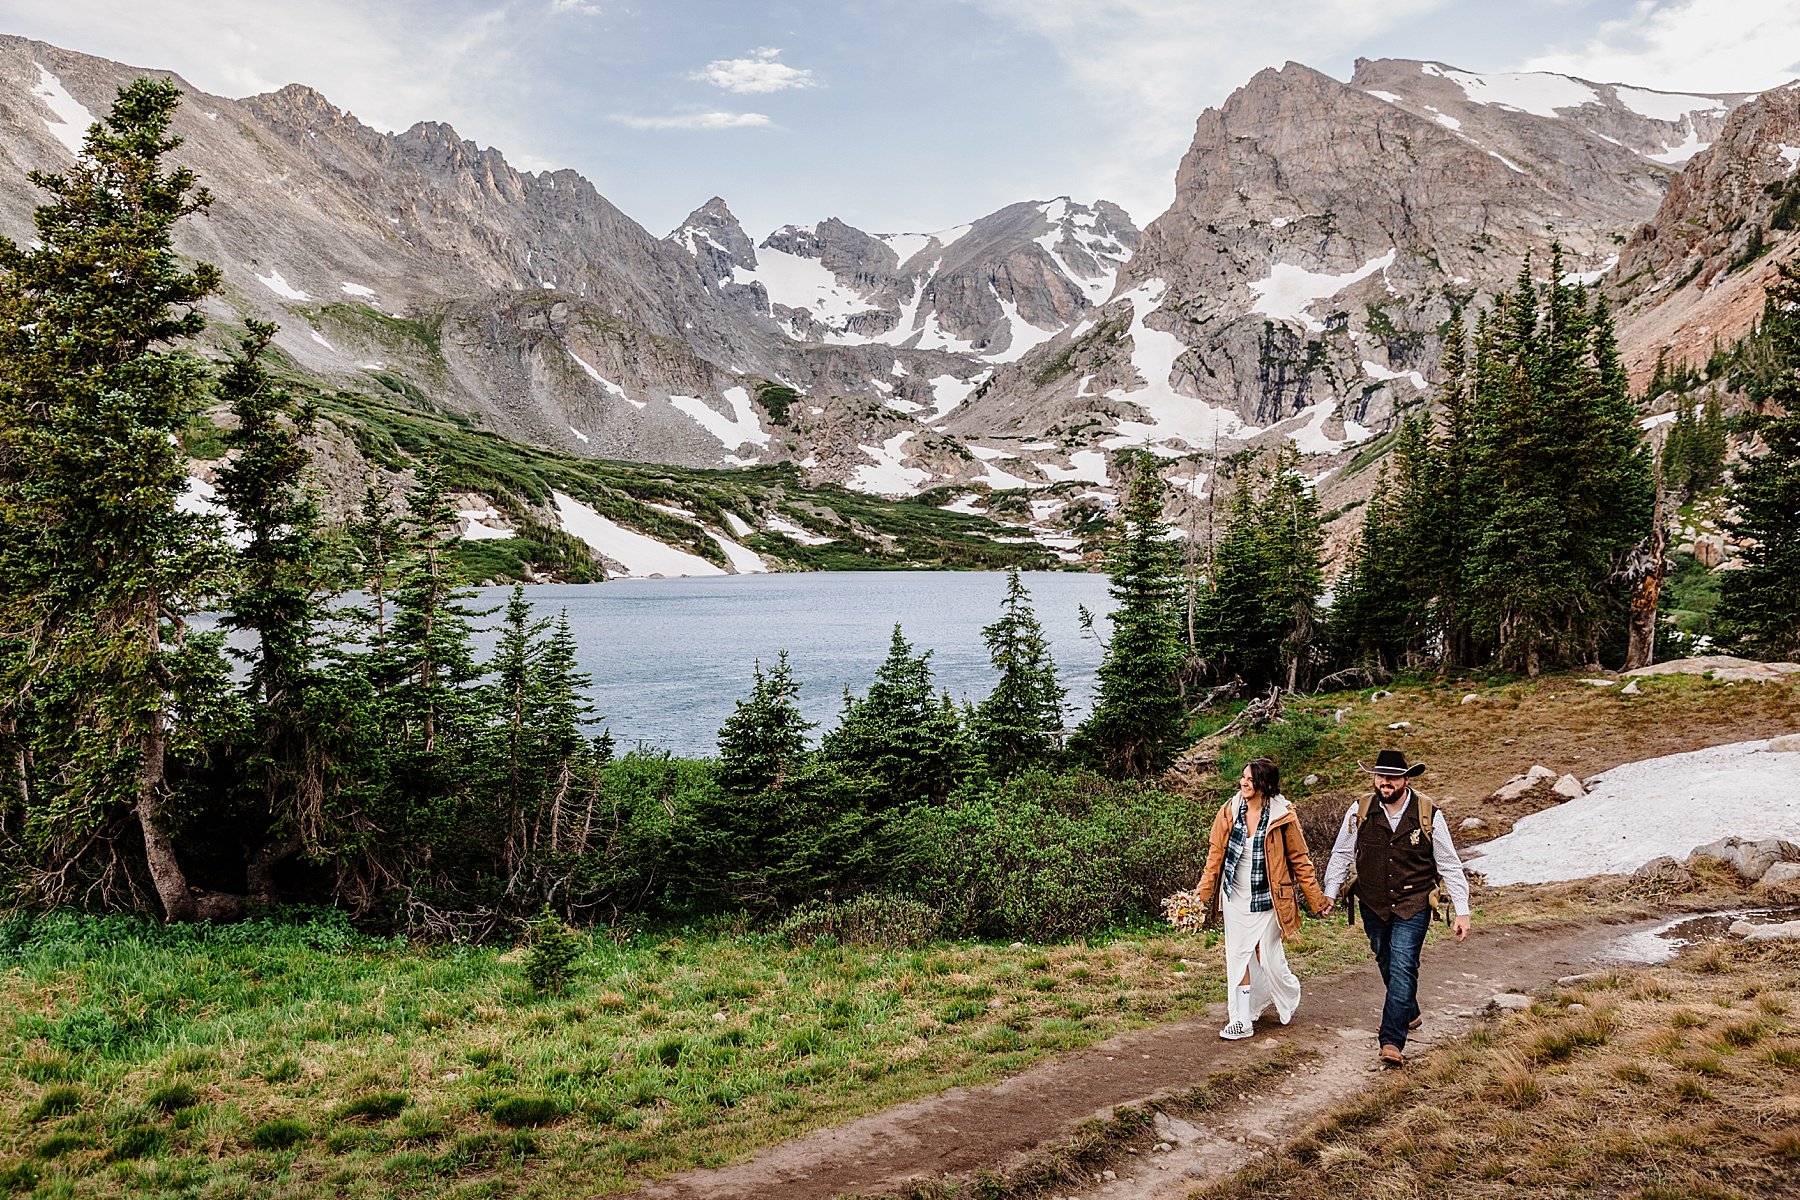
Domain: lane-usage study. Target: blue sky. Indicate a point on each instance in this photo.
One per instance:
(895, 115)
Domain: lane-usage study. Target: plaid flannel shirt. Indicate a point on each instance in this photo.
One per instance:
(1262, 898)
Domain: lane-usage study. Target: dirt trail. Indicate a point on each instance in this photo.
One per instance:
(965, 1130)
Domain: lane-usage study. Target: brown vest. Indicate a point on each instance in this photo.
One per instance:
(1395, 869)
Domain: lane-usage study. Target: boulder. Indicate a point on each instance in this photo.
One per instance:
(1722, 667)
(1665, 870)
(1631, 689)
(1750, 859)
(1787, 743)
(1787, 931)
(1569, 788)
(1518, 785)
(1471, 698)
(1781, 874)
(1601, 682)
(1511, 1002)
(1472, 824)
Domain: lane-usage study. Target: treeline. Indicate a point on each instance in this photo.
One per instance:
(361, 755)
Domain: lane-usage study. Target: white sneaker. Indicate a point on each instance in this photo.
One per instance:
(1236, 1030)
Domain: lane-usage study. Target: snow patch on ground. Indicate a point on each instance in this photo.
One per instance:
(968, 503)
(888, 475)
(1641, 810)
(1535, 92)
(642, 556)
(805, 283)
(738, 525)
(320, 338)
(1791, 156)
(202, 499)
(580, 435)
(72, 117)
(740, 428)
(1389, 97)
(281, 287)
(357, 289)
(1448, 121)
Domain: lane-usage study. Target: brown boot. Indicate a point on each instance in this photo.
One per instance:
(1391, 1057)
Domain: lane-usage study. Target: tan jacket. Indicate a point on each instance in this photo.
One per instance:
(1284, 850)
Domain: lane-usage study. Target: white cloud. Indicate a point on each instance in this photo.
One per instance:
(1153, 65)
(698, 120)
(756, 75)
(1695, 45)
(582, 7)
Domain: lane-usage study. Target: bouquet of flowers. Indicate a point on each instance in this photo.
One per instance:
(1186, 910)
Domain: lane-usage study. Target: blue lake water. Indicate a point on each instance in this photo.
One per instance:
(670, 657)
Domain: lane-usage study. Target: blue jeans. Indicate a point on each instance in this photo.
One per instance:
(1396, 944)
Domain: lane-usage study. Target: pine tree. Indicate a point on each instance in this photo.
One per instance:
(1021, 718)
(1293, 576)
(99, 564)
(900, 733)
(763, 743)
(1759, 605)
(279, 603)
(1138, 711)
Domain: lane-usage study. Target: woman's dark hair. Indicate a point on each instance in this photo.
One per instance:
(1265, 776)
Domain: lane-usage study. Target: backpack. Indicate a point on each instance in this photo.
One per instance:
(1439, 898)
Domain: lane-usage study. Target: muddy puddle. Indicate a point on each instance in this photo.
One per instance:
(1651, 946)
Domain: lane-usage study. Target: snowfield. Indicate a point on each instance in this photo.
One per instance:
(1642, 810)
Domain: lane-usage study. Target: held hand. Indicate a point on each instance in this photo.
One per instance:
(1329, 905)
(1460, 927)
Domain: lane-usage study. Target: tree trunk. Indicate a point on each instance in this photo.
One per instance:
(159, 849)
(1647, 595)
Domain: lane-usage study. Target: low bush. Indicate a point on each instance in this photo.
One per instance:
(1043, 856)
(551, 954)
(872, 919)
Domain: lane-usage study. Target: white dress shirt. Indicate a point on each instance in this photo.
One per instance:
(1443, 852)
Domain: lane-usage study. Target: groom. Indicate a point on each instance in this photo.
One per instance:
(1398, 862)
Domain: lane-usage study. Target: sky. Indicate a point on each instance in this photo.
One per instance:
(893, 115)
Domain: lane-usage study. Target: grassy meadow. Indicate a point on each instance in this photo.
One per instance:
(301, 1060)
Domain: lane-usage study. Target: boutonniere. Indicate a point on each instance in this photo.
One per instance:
(1415, 837)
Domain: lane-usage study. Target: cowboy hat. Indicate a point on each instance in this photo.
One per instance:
(1392, 763)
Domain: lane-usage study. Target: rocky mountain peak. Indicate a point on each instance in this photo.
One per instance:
(301, 105)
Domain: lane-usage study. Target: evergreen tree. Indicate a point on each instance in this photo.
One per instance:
(1759, 605)
(1292, 544)
(279, 603)
(762, 744)
(899, 733)
(98, 563)
(1021, 718)
(1139, 714)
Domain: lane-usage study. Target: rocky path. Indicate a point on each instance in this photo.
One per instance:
(964, 1130)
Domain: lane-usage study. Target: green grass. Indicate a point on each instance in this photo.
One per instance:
(306, 1060)
(870, 533)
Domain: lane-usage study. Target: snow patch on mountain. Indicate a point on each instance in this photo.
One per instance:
(740, 428)
(1289, 290)
(888, 475)
(72, 117)
(281, 287)
(641, 555)
(1535, 92)
(588, 369)
(1171, 416)
(1664, 106)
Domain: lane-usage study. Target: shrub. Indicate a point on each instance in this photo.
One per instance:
(54, 1103)
(376, 1106)
(279, 1134)
(1043, 857)
(551, 958)
(522, 1111)
(871, 919)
